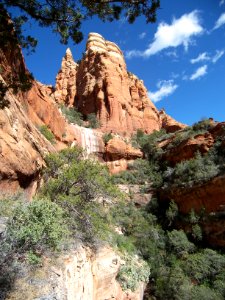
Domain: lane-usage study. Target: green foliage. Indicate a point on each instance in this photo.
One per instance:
(107, 137)
(195, 170)
(172, 211)
(204, 124)
(140, 172)
(67, 174)
(179, 243)
(93, 121)
(204, 266)
(37, 225)
(133, 272)
(81, 188)
(66, 17)
(33, 258)
(197, 232)
(47, 134)
(72, 115)
(148, 143)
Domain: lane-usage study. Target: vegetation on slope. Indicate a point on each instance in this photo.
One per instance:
(79, 202)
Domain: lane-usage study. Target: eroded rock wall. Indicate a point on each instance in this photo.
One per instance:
(79, 275)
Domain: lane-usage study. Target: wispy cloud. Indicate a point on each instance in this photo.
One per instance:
(132, 53)
(220, 22)
(201, 57)
(205, 56)
(165, 88)
(142, 35)
(199, 72)
(179, 32)
(221, 2)
(218, 55)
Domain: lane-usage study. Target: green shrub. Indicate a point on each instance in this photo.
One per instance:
(204, 124)
(47, 133)
(132, 273)
(172, 211)
(179, 243)
(72, 115)
(195, 170)
(93, 121)
(37, 225)
(33, 258)
(107, 137)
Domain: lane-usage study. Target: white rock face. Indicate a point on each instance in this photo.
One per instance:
(88, 139)
(79, 275)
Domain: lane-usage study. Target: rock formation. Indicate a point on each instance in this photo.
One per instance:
(169, 124)
(79, 275)
(106, 88)
(65, 87)
(22, 149)
(118, 155)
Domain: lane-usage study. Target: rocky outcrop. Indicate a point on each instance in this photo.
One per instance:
(78, 275)
(65, 87)
(208, 197)
(22, 149)
(169, 124)
(119, 154)
(117, 97)
(187, 149)
(42, 110)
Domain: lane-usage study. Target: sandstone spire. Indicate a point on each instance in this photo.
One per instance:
(119, 99)
(65, 88)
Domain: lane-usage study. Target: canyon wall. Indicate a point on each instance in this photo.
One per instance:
(78, 275)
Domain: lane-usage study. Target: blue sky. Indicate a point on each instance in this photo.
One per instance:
(181, 57)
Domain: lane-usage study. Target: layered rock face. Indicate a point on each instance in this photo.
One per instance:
(207, 195)
(22, 150)
(79, 275)
(104, 87)
(65, 88)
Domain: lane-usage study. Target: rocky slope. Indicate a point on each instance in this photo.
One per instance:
(206, 195)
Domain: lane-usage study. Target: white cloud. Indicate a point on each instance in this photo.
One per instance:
(201, 57)
(220, 22)
(132, 53)
(217, 56)
(142, 35)
(180, 32)
(199, 72)
(206, 57)
(221, 2)
(165, 88)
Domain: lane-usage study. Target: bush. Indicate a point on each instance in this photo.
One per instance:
(204, 124)
(37, 225)
(107, 137)
(179, 243)
(93, 121)
(195, 170)
(47, 133)
(72, 115)
(132, 273)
